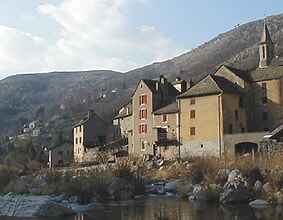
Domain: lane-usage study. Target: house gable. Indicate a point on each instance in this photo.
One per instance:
(233, 75)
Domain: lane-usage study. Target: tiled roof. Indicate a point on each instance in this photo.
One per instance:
(151, 84)
(206, 86)
(169, 109)
(226, 86)
(273, 71)
(211, 85)
(240, 73)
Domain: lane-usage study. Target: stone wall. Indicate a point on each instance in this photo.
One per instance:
(230, 140)
(200, 148)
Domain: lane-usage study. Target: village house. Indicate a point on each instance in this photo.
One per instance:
(89, 134)
(229, 112)
(224, 114)
(152, 122)
(61, 155)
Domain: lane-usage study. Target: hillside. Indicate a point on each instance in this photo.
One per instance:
(67, 94)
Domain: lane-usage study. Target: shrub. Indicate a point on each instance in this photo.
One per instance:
(7, 174)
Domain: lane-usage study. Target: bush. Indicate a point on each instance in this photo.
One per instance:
(7, 174)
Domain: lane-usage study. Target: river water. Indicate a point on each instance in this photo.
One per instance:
(165, 208)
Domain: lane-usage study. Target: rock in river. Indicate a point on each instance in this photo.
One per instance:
(235, 189)
(32, 206)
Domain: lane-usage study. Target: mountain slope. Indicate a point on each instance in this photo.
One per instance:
(23, 97)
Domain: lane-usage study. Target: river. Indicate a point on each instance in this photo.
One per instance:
(166, 208)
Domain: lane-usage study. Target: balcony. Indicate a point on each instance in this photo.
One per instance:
(163, 138)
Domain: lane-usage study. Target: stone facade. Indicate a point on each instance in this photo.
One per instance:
(89, 133)
(223, 114)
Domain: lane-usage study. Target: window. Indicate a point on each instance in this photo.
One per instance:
(192, 114)
(164, 118)
(143, 100)
(236, 115)
(143, 114)
(230, 129)
(193, 101)
(143, 128)
(80, 140)
(192, 131)
(264, 116)
(263, 52)
(76, 140)
(201, 146)
(143, 145)
(80, 128)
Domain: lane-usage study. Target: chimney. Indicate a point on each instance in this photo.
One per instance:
(191, 83)
(162, 79)
(90, 114)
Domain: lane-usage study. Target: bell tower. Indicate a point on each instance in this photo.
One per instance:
(266, 48)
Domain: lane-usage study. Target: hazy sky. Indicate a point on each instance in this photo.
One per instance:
(48, 35)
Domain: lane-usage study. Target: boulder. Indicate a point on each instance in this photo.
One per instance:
(199, 193)
(235, 189)
(51, 209)
(259, 204)
(32, 206)
(234, 175)
(267, 188)
(258, 186)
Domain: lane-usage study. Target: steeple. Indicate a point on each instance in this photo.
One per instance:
(265, 48)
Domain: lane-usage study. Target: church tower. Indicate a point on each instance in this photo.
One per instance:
(266, 48)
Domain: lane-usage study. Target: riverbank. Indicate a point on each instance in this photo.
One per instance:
(208, 180)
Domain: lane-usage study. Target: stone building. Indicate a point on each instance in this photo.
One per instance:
(166, 131)
(233, 109)
(89, 134)
(226, 113)
(144, 124)
(61, 155)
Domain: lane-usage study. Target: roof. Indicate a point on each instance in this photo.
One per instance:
(124, 112)
(151, 84)
(82, 122)
(227, 86)
(273, 71)
(265, 37)
(211, 85)
(240, 73)
(169, 109)
(91, 115)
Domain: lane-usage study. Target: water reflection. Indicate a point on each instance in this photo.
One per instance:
(160, 208)
(173, 209)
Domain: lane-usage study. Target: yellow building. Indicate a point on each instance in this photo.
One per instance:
(230, 111)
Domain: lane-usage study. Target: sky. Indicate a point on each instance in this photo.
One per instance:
(66, 35)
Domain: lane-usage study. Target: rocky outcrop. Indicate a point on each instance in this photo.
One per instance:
(235, 189)
(38, 206)
(259, 204)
